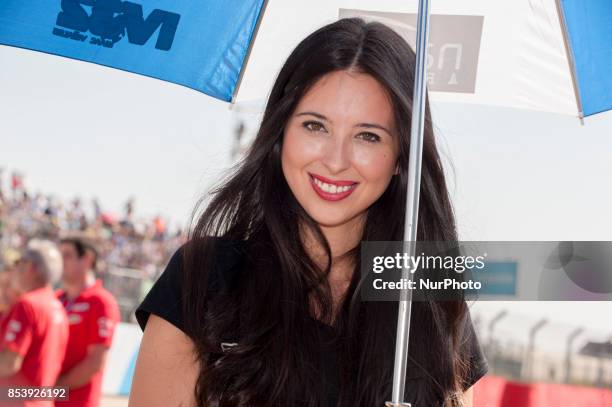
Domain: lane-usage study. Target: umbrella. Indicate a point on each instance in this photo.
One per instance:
(199, 44)
(543, 55)
(546, 55)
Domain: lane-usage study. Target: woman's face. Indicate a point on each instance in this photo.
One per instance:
(340, 148)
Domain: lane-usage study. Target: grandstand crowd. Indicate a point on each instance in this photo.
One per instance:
(125, 240)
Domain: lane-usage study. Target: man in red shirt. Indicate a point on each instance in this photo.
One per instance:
(92, 314)
(34, 338)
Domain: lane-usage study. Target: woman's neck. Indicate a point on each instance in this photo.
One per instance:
(341, 240)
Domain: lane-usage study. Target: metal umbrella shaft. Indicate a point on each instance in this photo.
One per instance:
(412, 203)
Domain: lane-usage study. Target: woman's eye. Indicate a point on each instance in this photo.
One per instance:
(314, 126)
(370, 137)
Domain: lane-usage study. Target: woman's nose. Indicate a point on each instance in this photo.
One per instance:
(336, 156)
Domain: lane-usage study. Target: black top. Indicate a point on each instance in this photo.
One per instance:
(164, 300)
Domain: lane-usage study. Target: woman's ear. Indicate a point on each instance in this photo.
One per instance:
(397, 169)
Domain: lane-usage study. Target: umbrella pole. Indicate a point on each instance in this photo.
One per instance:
(412, 204)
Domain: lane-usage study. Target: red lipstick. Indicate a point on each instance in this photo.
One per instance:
(331, 196)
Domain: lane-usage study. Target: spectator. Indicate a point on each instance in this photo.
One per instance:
(34, 339)
(1, 186)
(93, 314)
(8, 292)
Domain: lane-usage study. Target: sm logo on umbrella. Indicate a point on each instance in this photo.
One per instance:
(110, 20)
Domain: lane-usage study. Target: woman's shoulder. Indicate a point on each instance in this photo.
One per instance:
(165, 296)
(228, 254)
(228, 261)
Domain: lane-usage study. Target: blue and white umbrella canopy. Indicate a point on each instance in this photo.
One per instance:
(517, 53)
(201, 44)
(546, 55)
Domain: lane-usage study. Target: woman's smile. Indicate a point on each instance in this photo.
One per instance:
(331, 190)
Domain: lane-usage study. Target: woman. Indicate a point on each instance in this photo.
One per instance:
(268, 312)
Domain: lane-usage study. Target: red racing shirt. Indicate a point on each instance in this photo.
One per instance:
(36, 328)
(92, 317)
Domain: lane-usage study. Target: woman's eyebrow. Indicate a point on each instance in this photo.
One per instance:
(362, 125)
(374, 126)
(315, 114)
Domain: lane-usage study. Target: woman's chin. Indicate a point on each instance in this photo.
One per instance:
(329, 221)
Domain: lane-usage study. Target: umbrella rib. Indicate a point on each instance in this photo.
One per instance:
(570, 59)
(262, 11)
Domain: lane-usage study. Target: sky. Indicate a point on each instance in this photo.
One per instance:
(77, 129)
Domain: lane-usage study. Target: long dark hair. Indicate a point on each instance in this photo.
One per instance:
(268, 310)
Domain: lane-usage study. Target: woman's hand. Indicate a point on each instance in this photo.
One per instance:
(166, 369)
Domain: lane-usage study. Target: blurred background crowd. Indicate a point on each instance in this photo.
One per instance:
(132, 249)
